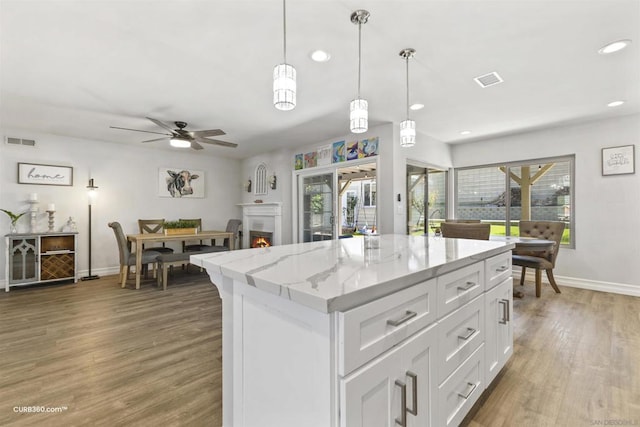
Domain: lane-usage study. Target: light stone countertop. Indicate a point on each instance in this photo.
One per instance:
(336, 275)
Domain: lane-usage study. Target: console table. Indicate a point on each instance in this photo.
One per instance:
(40, 258)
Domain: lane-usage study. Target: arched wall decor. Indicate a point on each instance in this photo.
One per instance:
(261, 182)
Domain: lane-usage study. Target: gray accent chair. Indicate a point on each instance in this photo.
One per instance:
(233, 226)
(461, 230)
(127, 259)
(547, 230)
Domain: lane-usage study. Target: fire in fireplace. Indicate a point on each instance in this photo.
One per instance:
(260, 239)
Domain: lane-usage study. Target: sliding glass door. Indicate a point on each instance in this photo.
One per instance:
(316, 195)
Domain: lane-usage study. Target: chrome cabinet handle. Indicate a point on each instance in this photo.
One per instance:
(467, 286)
(504, 319)
(414, 384)
(402, 421)
(469, 390)
(470, 331)
(508, 308)
(502, 268)
(407, 316)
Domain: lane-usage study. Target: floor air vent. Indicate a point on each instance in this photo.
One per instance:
(488, 79)
(20, 141)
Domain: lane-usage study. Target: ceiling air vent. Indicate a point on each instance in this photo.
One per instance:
(20, 141)
(488, 79)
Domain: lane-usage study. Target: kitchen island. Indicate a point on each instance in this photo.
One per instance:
(332, 334)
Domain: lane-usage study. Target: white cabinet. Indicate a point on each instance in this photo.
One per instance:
(499, 328)
(398, 388)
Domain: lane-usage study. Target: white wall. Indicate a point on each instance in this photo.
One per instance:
(607, 252)
(127, 178)
(392, 160)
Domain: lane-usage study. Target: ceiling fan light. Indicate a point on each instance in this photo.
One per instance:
(180, 142)
(407, 133)
(284, 87)
(359, 115)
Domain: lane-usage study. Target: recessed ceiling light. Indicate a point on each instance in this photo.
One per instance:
(320, 56)
(614, 46)
(615, 104)
(465, 132)
(416, 107)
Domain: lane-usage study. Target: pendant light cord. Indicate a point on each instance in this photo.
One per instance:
(359, 54)
(407, 87)
(284, 26)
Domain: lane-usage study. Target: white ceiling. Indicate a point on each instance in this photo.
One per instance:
(76, 67)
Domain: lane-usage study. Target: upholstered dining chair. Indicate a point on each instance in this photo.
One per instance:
(461, 230)
(547, 230)
(127, 259)
(233, 226)
(153, 226)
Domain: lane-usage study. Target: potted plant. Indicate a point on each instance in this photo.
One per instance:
(14, 219)
(180, 227)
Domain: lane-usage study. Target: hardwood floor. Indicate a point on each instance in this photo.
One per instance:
(113, 357)
(121, 357)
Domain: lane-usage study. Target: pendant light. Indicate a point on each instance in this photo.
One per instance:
(407, 127)
(284, 75)
(359, 108)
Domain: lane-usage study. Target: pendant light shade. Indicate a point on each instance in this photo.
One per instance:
(284, 75)
(359, 108)
(407, 127)
(284, 87)
(359, 116)
(407, 133)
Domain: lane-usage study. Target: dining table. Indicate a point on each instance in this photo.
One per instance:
(141, 239)
(523, 243)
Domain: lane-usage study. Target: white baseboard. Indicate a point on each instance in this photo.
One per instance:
(574, 282)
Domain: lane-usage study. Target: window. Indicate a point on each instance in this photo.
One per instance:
(504, 194)
(369, 194)
(426, 198)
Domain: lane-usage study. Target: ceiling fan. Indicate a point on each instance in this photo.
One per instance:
(180, 137)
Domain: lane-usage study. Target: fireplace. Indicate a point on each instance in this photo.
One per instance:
(260, 239)
(265, 218)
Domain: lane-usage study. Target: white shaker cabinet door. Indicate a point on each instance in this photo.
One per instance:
(399, 385)
(499, 328)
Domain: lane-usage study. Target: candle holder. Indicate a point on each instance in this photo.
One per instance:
(51, 220)
(33, 213)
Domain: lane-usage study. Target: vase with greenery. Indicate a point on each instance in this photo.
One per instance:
(14, 219)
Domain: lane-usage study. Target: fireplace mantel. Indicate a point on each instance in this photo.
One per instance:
(262, 217)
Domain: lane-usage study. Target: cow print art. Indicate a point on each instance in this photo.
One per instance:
(180, 183)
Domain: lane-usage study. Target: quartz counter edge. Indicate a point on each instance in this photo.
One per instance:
(338, 275)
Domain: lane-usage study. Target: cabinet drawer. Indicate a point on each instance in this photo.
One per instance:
(457, 288)
(367, 331)
(459, 335)
(497, 269)
(457, 395)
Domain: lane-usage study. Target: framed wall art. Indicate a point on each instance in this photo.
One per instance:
(618, 160)
(180, 183)
(34, 173)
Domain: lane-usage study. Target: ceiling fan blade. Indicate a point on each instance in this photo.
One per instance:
(157, 139)
(138, 130)
(196, 146)
(215, 141)
(162, 125)
(207, 133)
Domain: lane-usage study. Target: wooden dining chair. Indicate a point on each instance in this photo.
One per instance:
(153, 226)
(547, 230)
(461, 230)
(195, 247)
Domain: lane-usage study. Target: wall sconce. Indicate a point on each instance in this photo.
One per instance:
(272, 182)
(248, 186)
